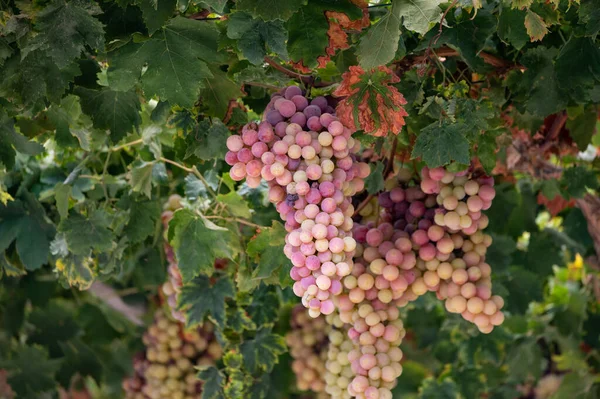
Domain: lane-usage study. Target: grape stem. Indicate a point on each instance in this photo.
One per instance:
(236, 220)
(363, 204)
(286, 71)
(193, 170)
(131, 143)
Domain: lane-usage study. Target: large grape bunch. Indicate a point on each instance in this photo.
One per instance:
(168, 367)
(415, 245)
(307, 157)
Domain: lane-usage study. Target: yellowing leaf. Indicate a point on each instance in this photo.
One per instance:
(536, 27)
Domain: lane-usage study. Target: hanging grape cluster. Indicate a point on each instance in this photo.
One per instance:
(167, 368)
(308, 158)
(424, 233)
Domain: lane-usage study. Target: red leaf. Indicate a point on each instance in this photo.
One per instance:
(371, 100)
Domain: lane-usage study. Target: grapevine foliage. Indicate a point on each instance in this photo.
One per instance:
(121, 197)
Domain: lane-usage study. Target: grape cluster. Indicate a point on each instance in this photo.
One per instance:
(308, 158)
(167, 370)
(308, 343)
(172, 286)
(338, 371)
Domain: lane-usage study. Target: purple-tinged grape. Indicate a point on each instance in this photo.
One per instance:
(312, 110)
(274, 117)
(292, 91)
(300, 101)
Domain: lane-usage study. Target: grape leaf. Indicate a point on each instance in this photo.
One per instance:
(143, 216)
(589, 14)
(217, 5)
(217, 92)
(31, 372)
(156, 13)
(267, 250)
(85, 233)
(140, 178)
(200, 297)
(213, 383)
(36, 79)
(270, 9)
(207, 141)
(116, 111)
(238, 320)
(262, 352)
(52, 324)
(511, 27)
(535, 25)
(438, 145)
(264, 309)
(525, 359)
(434, 389)
(577, 179)
(236, 204)
(583, 127)
(24, 221)
(419, 15)
(65, 29)
(255, 37)
(379, 45)
(62, 193)
(374, 183)
(180, 51)
(584, 53)
(11, 142)
(79, 359)
(539, 84)
(70, 131)
(197, 243)
(523, 287)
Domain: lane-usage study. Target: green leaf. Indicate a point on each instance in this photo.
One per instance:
(526, 359)
(236, 204)
(116, 111)
(267, 251)
(140, 178)
(374, 183)
(65, 116)
(217, 5)
(156, 12)
(589, 14)
(11, 142)
(256, 37)
(65, 29)
(25, 222)
(76, 271)
(79, 359)
(511, 27)
(52, 324)
(577, 179)
(583, 53)
(583, 127)
(207, 141)
(218, 90)
(197, 243)
(379, 45)
(260, 354)
(265, 306)
(270, 9)
(86, 233)
(307, 35)
(31, 372)
(213, 383)
(438, 145)
(539, 84)
(200, 298)
(238, 320)
(179, 51)
(36, 79)
(434, 389)
(535, 25)
(419, 15)
(143, 216)
(62, 193)
(486, 151)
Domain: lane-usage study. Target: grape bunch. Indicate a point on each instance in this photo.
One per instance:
(308, 158)
(172, 286)
(167, 369)
(338, 371)
(308, 344)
